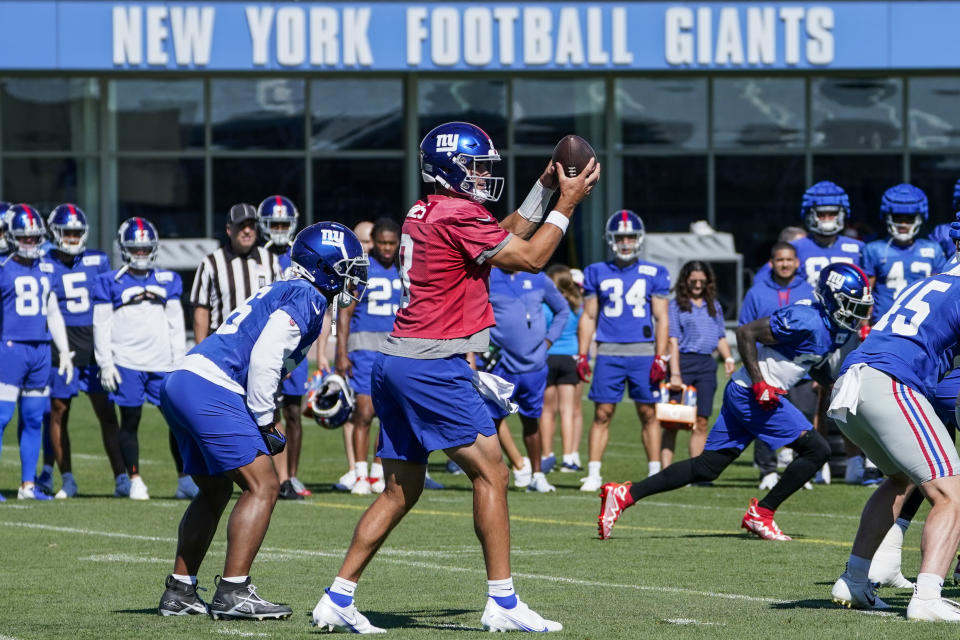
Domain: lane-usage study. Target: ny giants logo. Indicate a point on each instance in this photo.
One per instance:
(835, 280)
(448, 141)
(331, 237)
(280, 211)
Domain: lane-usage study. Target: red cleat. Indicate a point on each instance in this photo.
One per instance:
(760, 521)
(614, 498)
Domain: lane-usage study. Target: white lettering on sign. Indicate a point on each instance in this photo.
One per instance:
(189, 30)
(738, 37)
(332, 36)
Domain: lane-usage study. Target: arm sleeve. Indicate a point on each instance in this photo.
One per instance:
(279, 338)
(175, 325)
(103, 333)
(661, 283)
(791, 324)
(561, 310)
(673, 314)
(200, 292)
(56, 325)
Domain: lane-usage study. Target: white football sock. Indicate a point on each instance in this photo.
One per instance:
(185, 579)
(343, 586)
(653, 468)
(361, 469)
(376, 471)
(500, 588)
(593, 469)
(929, 586)
(235, 579)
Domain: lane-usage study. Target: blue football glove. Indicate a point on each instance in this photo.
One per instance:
(955, 229)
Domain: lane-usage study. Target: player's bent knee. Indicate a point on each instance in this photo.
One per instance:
(710, 464)
(813, 446)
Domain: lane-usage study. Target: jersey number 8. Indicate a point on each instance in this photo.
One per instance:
(30, 299)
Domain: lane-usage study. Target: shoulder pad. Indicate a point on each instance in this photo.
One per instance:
(928, 252)
(46, 267)
(164, 276)
(647, 270)
(850, 247)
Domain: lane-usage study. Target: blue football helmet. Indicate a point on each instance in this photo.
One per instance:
(956, 196)
(460, 156)
(274, 213)
(904, 200)
(844, 293)
(623, 226)
(68, 217)
(134, 235)
(24, 222)
(824, 197)
(4, 211)
(330, 399)
(330, 256)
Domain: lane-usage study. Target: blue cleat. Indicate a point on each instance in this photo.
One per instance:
(45, 480)
(430, 483)
(570, 467)
(547, 464)
(32, 493)
(453, 468)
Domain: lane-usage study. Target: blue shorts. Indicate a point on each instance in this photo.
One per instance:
(86, 379)
(137, 387)
(611, 372)
(426, 405)
(945, 399)
(528, 392)
(23, 366)
(212, 425)
(296, 384)
(741, 420)
(361, 361)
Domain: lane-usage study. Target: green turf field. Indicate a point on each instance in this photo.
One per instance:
(677, 566)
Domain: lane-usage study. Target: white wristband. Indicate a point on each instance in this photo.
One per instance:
(536, 202)
(558, 220)
(730, 360)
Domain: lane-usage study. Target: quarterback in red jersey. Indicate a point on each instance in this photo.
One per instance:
(424, 390)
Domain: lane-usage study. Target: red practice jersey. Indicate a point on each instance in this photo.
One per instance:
(443, 266)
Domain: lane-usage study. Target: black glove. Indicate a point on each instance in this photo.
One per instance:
(274, 440)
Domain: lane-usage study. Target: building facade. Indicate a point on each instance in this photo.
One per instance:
(714, 111)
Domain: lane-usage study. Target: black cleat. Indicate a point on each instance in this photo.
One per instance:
(181, 599)
(240, 600)
(287, 492)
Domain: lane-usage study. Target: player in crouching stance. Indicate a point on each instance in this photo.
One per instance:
(792, 339)
(422, 385)
(220, 406)
(882, 403)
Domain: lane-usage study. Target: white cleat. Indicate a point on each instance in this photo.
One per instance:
(377, 485)
(346, 481)
(523, 477)
(769, 481)
(362, 487)
(784, 457)
(138, 489)
(885, 566)
(519, 618)
(332, 617)
(540, 484)
(851, 594)
(934, 610)
(591, 483)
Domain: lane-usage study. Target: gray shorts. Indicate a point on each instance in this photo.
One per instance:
(897, 428)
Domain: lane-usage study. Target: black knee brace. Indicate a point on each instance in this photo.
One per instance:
(812, 446)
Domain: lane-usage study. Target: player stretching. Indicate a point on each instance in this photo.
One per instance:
(31, 319)
(422, 386)
(896, 368)
(625, 302)
(792, 339)
(75, 270)
(220, 406)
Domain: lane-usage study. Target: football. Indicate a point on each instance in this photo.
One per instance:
(573, 153)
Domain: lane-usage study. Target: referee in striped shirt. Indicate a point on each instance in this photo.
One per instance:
(232, 273)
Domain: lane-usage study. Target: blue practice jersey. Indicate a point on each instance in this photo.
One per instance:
(623, 298)
(804, 338)
(230, 347)
(908, 342)
(74, 285)
(381, 299)
(284, 259)
(896, 267)
(24, 295)
(941, 235)
(813, 258)
(156, 287)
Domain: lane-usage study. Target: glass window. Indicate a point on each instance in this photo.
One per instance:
(168, 193)
(754, 112)
(571, 249)
(756, 197)
(253, 179)
(49, 114)
(481, 102)
(667, 192)
(157, 115)
(857, 113)
(864, 178)
(936, 175)
(47, 182)
(662, 113)
(356, 114)
(934, 117)
(257, 114)
(350, 191)
(546, 110)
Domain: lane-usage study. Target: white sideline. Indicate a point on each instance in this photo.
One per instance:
(435, 567)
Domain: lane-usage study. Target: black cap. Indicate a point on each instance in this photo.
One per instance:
(240, 213)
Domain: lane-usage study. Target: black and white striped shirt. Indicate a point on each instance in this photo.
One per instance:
(224, 280)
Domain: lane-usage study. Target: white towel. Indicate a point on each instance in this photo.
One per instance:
(495, 389)
(846, 394)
